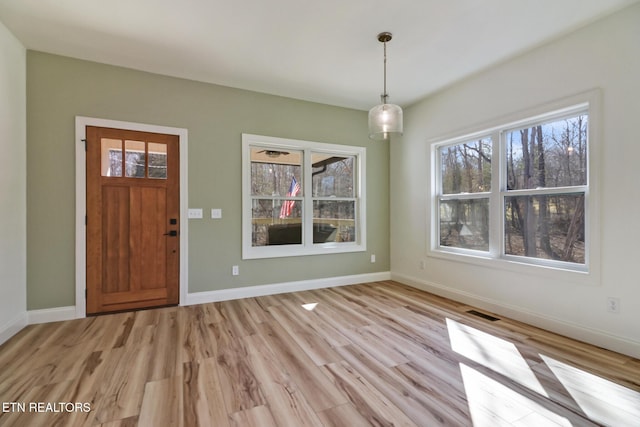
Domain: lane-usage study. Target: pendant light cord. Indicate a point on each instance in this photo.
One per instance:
(384, 96)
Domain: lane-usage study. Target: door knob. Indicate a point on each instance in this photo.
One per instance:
(172, 233)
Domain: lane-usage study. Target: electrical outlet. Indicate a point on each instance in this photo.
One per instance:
(373, 258)
(235, 270)
(613, 305)
(423, 264)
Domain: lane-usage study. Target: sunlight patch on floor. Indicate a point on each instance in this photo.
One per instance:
(601, 400)
(494, 353)
(492, 404)
(310, 306)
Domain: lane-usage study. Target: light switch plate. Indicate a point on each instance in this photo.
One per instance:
(216, 213)
(195, 213)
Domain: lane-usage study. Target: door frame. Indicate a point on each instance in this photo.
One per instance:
(81, 201)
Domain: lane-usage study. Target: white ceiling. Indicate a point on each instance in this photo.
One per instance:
(324, 51)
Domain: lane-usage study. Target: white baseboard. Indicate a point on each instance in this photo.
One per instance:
(47, 315)
(12, 327)
(589, 335)
(279, 288)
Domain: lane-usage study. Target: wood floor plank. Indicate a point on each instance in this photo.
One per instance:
(260, 416)
(336, 308)
(125, 422)
(197, 341)
(124, 381)
(162, 403)
(238, 319)
(343, 415)
(241, 388)
(370, 402)
(327, 327)
(420, 407)
(203, 395)
(288, 405)
(254, 310)
(372, 354)
(321, 392)
(166, 335)
(302, 330)
(116, 330)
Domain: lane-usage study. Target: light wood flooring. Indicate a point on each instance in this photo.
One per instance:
(375, 354)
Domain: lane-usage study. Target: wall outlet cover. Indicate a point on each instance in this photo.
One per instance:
(195, 213)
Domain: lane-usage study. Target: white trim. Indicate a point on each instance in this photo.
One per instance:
(279, 288)
(573, 330)
(47, 315)
(81, 202)
(12, 327)
(588, 273)
(307, 247)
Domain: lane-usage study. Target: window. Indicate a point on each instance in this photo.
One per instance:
(301, 197)
(518, 192)
(137, 164)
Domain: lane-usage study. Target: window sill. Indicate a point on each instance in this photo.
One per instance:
(580, 275)
(260, 252)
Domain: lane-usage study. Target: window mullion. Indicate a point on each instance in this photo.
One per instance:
(307, 212)
(498, 184)
(296, 157)
(540, 210)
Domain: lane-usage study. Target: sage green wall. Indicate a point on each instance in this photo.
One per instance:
(60, 88)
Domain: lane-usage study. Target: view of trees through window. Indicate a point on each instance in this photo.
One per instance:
(334, 204)
(544, 179)
(547, 156)
(466, 170)
(136, 164)
(276, 190)
(277, 183)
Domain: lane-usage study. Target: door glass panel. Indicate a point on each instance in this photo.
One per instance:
(135, 161)
(157, 160)
(111, 157)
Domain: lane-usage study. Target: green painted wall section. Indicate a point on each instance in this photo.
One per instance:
(60, 88)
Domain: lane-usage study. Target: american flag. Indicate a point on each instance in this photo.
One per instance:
(287, 205)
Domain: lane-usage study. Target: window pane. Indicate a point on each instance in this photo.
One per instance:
(547, 227)
(334, 221)
(465, 224)
(276, 172)
(135, 160)
(333, 176)
(552, 154)
(276, 222)
(466, 168)
(111, 157)
(157, 160)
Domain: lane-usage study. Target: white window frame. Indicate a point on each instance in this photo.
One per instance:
(587, 273)
(307, 247)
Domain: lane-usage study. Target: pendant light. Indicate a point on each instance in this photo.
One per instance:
(385, 119)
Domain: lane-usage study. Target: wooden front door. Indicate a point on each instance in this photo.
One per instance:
(133, 220)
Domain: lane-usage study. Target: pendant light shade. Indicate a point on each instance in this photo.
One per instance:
(385, 119)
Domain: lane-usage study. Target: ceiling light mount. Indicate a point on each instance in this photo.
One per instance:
(385, 37)
(385, 119)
